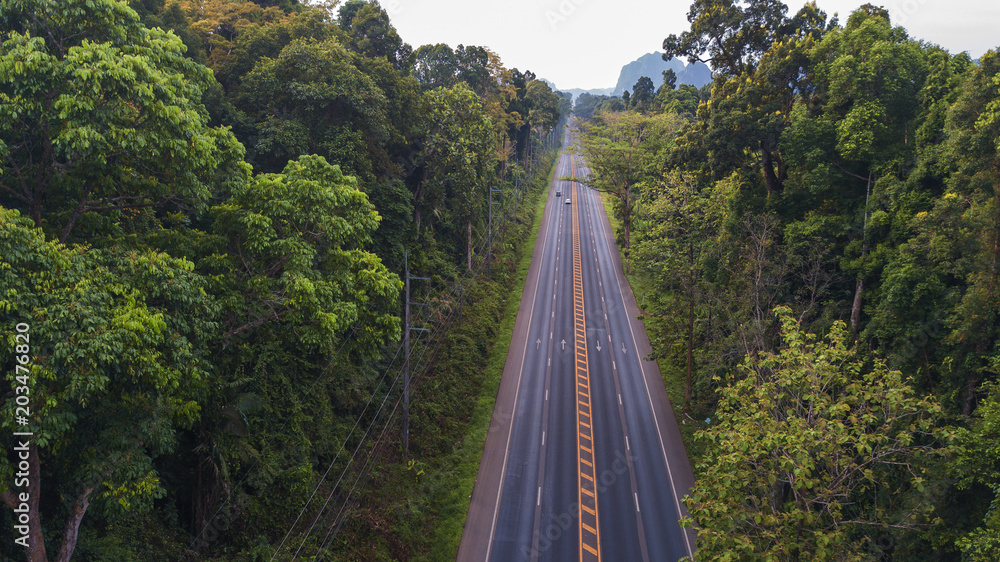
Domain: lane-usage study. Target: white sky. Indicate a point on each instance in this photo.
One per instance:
(584, 43)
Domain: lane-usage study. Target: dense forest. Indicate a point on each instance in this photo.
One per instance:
(206, 209)
(819, 235)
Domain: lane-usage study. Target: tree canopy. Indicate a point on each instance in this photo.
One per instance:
(205, 208)
(845, 172)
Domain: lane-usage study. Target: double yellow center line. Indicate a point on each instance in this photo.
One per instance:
(590, 538)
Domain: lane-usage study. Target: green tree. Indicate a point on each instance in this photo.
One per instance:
(296, 259)
(372, 35)
(802, 441)
(305, 308)
(435, 66)
(872, 79)
(729, 36)
(973, 128)
(750, 108)
(118, 360)
(683, 217)
(669, 80)
(619, 147)
(978, 463)
(543, 114)
(642, 93)
(458, 151)
(101, 115)
(312, 99)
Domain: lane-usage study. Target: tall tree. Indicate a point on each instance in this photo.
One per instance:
(313, 99)
(683, 215)
(118, 361)
(372, 35)
(101, 115)
(977, 463)
(458, 152)
(802, 441)
(973, 129)
(727, 34)
(870, 74)
(618, 147)
(642, 93)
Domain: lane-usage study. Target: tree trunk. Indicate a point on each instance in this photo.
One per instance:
(36, 541)
(77, 212)
(468, 246)
(71, 533)
(771, 179)
(690, 352)
(859, 288)
(856, 307)
(626, 227)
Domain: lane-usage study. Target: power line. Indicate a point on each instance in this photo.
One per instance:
(457, 294)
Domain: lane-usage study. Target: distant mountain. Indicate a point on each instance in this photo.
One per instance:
(593, 91)
(577, 91)
(653, 65)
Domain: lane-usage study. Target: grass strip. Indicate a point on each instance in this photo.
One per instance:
(463, 463)
(672, 374)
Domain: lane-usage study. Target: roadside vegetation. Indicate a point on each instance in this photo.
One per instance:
(817, 240)
(206, 211)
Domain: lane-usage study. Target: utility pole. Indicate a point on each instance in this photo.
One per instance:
(406, 347)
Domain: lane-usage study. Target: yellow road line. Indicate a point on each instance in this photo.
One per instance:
(590, 539)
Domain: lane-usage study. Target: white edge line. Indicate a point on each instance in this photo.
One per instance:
(649, 396)
(517, 392)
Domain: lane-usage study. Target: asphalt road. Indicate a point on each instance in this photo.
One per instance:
(584, 460)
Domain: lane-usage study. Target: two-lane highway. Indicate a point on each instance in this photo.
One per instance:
(584, 459)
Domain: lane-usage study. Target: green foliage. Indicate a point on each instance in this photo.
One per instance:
(118, 360)
(620, 148)
(679, 216)
(312, 99)
(99, 114)
(296, 258)
(544, 112)
(733, 38)
(803, 441)
(642, 94)
(457, 146)
(848, 173)
(977, 462)
(372, 35)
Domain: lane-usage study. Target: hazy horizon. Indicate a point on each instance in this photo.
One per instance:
(584, 43)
